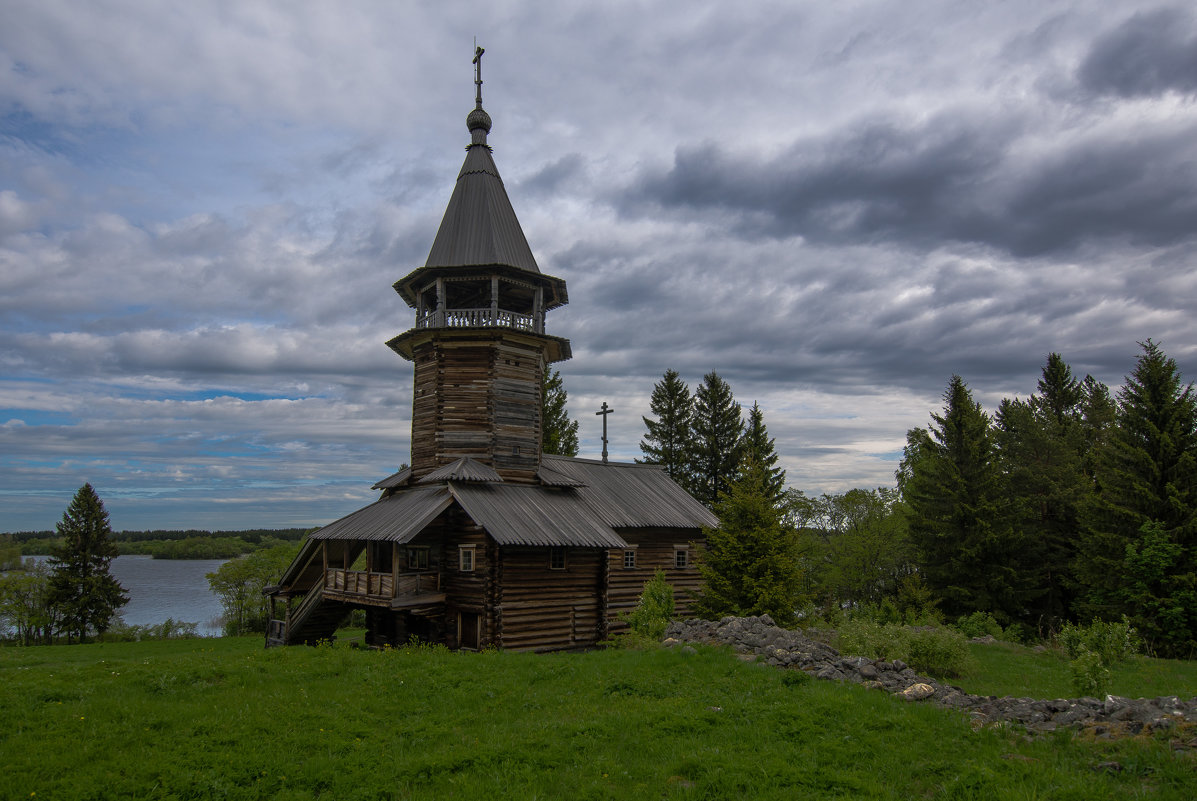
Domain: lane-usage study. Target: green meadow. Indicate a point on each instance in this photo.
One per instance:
(1007, 669)
(226, 719)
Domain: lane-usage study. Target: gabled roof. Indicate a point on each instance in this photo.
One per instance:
(393, 518)
(515, 514)
(584, 505)
(480, 226)
(464, 469)
(394, 480)
(512, 514)
(626, 495)
(550, 477)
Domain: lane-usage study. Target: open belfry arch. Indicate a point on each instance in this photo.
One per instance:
(485, 541)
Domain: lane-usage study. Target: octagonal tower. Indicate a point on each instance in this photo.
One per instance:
(479, 343)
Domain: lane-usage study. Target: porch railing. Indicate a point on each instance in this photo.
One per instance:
(381, 585)
(480, 318)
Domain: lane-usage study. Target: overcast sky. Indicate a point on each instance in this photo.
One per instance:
(835, 206)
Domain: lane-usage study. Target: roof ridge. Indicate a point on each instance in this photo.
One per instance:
(587, 460)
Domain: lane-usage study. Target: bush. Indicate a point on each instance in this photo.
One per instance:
(861, 636)
(939, 651)
(1021, 633)
(169, 629)
(979, 624)
(1094, 648)
(647, 622)
(1112, 642)
(931, 649)
(1090, 676)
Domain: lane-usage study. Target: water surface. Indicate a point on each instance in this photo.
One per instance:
(167, 588)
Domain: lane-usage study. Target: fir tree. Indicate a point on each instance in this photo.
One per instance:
(758, 448)
(668, 437)
(1060, 394)
(1040, 446)
(1140, 555)
(918, 446)
(752, 564)
(558, 433)
(82, 591)
(1097, 421)
(715, 447)
(967, 552)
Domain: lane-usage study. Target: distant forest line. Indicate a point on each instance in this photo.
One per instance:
(160, 544)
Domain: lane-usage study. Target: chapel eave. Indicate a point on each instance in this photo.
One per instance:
(410, 285)
(556, 349)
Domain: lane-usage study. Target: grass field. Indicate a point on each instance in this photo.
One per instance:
(1006, 669)
(209, 719)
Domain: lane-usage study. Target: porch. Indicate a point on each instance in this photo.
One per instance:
(391, 590)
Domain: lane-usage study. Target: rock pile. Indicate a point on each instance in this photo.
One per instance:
(760, 637)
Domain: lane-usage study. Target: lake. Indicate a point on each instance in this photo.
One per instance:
(162, 588)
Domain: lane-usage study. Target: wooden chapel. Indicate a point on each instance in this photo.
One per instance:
(485, 541)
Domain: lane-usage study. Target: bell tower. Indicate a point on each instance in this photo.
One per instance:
(479, 343)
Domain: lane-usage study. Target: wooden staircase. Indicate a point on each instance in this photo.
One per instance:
(315, 619)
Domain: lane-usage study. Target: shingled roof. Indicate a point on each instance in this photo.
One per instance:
(584, 505)
(627, 495)
(480, 226)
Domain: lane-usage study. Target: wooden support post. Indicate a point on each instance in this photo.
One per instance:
(324, 551)
(440, 301)
(494, 300)
(394, 570)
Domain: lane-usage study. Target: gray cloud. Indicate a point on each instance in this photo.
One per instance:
(836, 208)
(952, 178)
(1150, 53)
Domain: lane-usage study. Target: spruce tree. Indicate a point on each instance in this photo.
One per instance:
(716, 428)
(668, 437)
(967, 552)
(1060, 394)
(1097, 422)
(752, 564)
(759, 449)
(558, 433)
(82, 591)
(1040, 445)
(1140, 554)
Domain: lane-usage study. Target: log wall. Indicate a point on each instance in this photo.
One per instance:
(544, 609)
(469, 592)
(478, 397)
(655, 548)
(524, 604)
(518, 371)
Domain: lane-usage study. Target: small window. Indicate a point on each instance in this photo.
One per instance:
(465, 558)
(629, 560)
(556, 559)
(681, 558)
(417, 558)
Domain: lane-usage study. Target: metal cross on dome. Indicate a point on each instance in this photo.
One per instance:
(478, 51)
(606, 410)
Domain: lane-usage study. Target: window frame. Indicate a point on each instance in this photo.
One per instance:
(629, 559)
(557, 554)
(681, 557)
(414, 554)
(466, 553)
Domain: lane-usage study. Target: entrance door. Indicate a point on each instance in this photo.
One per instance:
(469, 633)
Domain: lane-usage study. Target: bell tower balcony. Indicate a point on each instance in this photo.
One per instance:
(489, 302)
